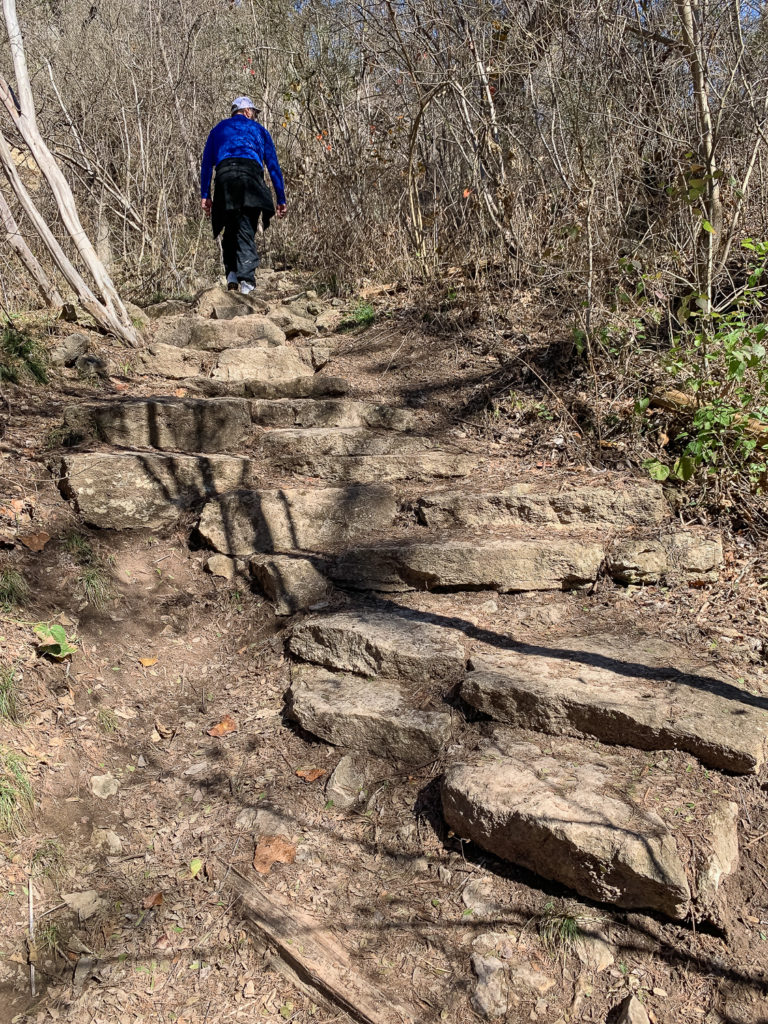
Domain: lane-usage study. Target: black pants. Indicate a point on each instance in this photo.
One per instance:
(238, 244)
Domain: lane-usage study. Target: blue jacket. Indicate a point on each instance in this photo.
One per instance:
(237, 136)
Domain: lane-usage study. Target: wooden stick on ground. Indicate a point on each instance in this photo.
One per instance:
(678, 401)
(315, 956)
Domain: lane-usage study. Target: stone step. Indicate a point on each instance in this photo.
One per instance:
(168, 424)
(375, 716)
(615, 502)
(161, 360)
(130, 490)
(399, 646)
(636, 694)
(296, 518)
(285, 413)
(279, 363)
(317, 386)
(361, 455)
(214, 424)
(505, 565)
(519, 563)
(217, 335)
(598, 821)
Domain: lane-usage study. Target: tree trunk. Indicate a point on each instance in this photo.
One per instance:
(47, 289)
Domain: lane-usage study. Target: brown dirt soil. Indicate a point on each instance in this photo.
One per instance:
(166, 940)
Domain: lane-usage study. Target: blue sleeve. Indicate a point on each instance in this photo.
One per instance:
(206, 171)
(270, 159)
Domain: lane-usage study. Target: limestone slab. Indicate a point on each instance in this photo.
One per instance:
(542, 503)
(168, 424)
(366, 715)
(563, 815)
(361, 455)
(263, 364)
(128, 490)
(380, 644)
(639, 694)
(164, 360)
(296, 518)
(331, 412)
(506, 565)
(292, 584)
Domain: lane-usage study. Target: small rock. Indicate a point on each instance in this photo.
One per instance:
(105, 838)
(320, 356)
(249, 990)
(530, 981)
(221, 565)
(593, 950)
(306, 855)
(85, 904)
(499, 944)
(90, 366)
(491, 992)
(345, 784)
(268, 821)
(476, 896)
(632, 1011)
(67, 350)
(444, 874)
(661, 993)
(488, 608)
(104, 786)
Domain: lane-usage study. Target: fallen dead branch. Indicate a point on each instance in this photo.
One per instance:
(678, 401)
(315, 958)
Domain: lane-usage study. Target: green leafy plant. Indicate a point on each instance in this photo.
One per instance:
(720, 360)
(20, 356)
(558, 930)
(14, 589)
(362, 314)
(53, 640)
(16, 795)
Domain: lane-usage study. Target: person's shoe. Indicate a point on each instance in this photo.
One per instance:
(246, 287)
(232, 282)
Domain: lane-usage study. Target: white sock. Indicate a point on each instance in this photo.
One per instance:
(245, 287)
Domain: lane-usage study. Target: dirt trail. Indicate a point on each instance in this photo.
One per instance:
(442, 696)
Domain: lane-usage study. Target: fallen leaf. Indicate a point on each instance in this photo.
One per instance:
(180, 392)
(310, 774)
(146, 662)
(271, 850)
(163, 731)
(195, 866)
(35, 541)
(225, 726)
(118, 385)
(155, 899)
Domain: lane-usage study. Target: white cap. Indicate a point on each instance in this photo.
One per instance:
(244, 103)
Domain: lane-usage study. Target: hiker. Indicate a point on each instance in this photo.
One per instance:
(239, 148)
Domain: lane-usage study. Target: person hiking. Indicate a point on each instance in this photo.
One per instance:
(239, 148)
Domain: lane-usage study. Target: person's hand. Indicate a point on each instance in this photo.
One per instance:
(207, 205)
(282, 209)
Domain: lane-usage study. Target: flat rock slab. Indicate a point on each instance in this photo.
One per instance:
(168, 424)
(331, 412)
(380, 644)
(134, 489)
(244, 332)
(296, 518)
(567, 815)
(542, 503)
(318, 386)
(369, 715)
(263, 364)
(361, 455)
(687, 555)
(637, 694)
(219, 303)
(506, 565)
(162, 360)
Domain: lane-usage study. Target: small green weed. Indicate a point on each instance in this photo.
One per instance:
(558, 930)
(48, 938)
(9, 695)
(48, 859)
(53, 640)
(95, 586)
(16, 796)
(20, 356)
(107, 720)
(361, 315)
(14, 589)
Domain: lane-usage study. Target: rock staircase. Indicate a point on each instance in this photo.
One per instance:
(340, 509)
